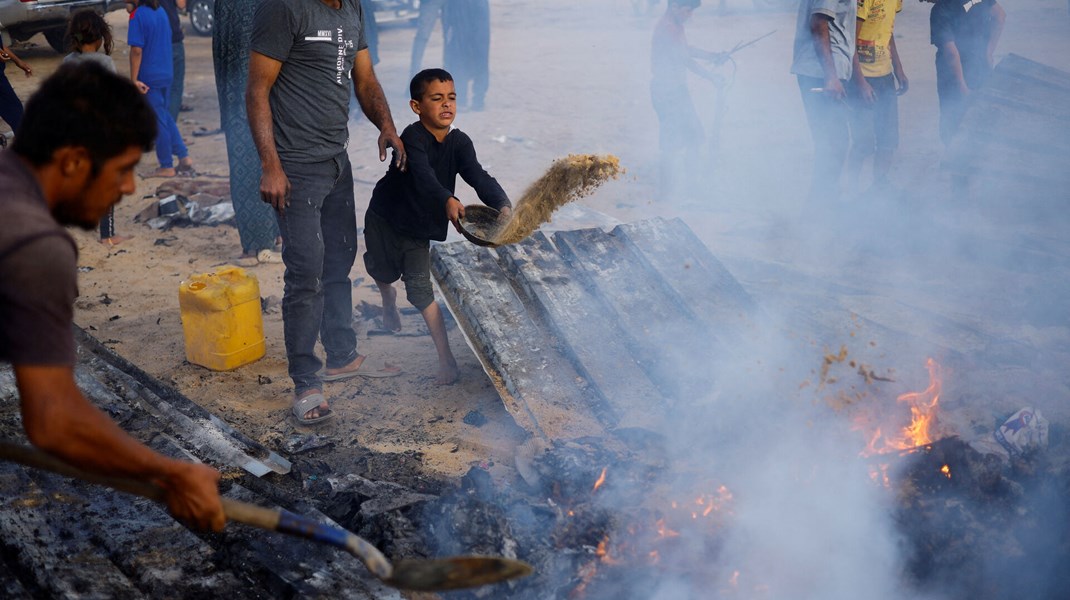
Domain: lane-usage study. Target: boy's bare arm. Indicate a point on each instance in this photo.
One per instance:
(902, 84)
(7, 54)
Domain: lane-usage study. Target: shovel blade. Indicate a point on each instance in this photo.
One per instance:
(455, 572)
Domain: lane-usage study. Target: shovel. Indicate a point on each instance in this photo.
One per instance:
(410, 574)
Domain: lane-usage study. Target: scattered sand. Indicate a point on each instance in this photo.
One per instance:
(568, 179)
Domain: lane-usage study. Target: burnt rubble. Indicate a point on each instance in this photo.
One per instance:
(65, 538)
(976, 527)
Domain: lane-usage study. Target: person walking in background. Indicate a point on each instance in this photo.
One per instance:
(10, 105)
(84, 132)
(306, 58)
(822, 58)
(965, 33)
(680, 131)
(877, 81)
(257, 228)
(466, 50)
(430, 13)
(178, 56)
(149, 38)
(87, 34)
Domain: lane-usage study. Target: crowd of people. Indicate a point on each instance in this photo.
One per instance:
(286, 71)
(849, 76)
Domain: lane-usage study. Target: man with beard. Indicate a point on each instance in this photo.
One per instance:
(82, 135)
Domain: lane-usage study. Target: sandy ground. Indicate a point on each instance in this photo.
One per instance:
(564, 80)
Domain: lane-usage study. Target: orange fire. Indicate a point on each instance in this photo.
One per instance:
(923, 407)
(946, 470)
(602, 552)
(600, 481)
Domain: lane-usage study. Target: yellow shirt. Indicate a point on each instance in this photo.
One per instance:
(875, 36)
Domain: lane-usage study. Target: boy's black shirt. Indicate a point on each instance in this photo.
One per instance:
(414, 201)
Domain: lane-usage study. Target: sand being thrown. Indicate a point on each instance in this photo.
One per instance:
(567, 179)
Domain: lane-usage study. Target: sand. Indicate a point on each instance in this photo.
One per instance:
(568, 179)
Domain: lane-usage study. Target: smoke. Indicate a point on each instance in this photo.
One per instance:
(976, 279)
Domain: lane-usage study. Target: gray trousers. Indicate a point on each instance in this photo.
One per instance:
(319, 232)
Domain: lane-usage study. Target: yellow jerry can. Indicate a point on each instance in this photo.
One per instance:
(221, 318)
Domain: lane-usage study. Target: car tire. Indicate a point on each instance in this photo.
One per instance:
(57, 38)
(200, 16)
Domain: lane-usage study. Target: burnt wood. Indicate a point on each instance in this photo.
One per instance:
(591, 340)
(66, 539)
(620, 317)
(535, 382)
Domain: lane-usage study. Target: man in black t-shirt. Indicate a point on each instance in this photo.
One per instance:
(965, 33)
(82, 135)
(305, 57)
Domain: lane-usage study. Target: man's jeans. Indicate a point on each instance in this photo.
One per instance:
(830, 127)
(319, 233)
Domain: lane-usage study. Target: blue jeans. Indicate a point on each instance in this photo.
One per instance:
(168, 139)
(319, 233)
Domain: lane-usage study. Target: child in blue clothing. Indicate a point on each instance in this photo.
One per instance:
(151, 69)
(410, 208)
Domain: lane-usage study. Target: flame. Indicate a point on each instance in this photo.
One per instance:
(923, 410)
(602, 552)
(664, 530)
(600, 481)
(946, 470)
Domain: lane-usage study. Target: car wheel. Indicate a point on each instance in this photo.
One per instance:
(56, 37)
(200, 16)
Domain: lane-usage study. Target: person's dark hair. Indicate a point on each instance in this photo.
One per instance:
(419, 82)
(84, 105)
(86, 27)
(153, 4)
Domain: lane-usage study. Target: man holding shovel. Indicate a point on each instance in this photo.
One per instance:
(82, 135)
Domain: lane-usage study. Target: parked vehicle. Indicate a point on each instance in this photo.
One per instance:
(22, 19)
(386, 11)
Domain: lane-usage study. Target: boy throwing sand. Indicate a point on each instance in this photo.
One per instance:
(410, 208)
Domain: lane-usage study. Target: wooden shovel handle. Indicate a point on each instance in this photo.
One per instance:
(282, 521)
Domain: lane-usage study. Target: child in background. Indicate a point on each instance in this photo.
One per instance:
(151, 68)
(412, 207)
(86, 34)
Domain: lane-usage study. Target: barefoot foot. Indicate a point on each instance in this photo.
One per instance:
(392, 320)
(447, 374)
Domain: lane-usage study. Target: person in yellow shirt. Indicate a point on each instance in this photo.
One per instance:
(877, 80)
